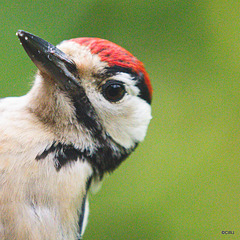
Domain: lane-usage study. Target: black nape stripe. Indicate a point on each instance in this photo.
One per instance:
(144, 92)
(139, 78)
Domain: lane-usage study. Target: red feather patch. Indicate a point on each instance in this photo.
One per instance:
(115, 55)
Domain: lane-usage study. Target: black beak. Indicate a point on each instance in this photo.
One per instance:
(50, 60)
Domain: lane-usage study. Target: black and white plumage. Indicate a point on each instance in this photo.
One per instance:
(87, 111)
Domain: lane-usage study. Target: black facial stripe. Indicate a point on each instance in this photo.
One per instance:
(109, 155)
(87, 117)
(85, 112)
(139, 78)
(106, 158)
(62, 154)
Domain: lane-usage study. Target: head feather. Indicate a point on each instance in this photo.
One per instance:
(115, 55)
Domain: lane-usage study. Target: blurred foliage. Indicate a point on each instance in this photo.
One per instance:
(183, 181)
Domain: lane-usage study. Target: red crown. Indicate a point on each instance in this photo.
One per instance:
(115, 55)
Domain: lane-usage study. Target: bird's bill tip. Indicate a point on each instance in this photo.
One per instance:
(24, 36)
(20, 33)
(49, 59)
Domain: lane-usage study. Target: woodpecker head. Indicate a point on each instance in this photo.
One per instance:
(94, 95)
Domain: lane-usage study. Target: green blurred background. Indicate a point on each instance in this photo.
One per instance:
(183, 182)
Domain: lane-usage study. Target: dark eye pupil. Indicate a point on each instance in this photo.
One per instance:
(114, 92)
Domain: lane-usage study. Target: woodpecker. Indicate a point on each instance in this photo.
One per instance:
(87, 110)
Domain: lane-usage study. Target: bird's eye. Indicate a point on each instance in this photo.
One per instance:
(113, 91)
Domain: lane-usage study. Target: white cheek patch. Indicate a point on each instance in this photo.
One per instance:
(133, 125)
(126, 121)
